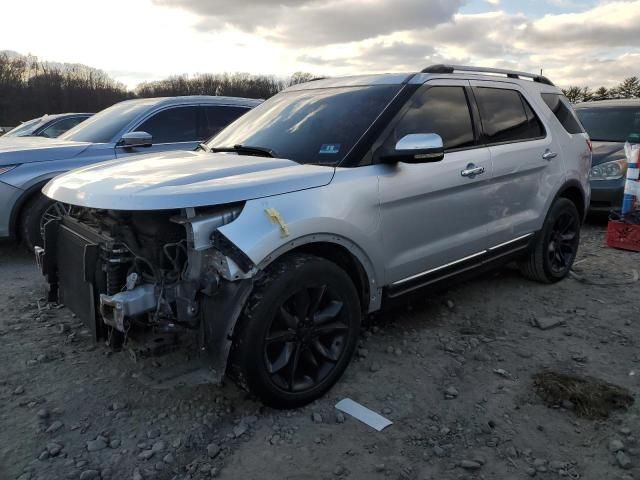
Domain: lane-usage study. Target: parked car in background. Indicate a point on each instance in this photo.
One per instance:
(610, 124)
(120, 131)
(50, 126)
(264, 249)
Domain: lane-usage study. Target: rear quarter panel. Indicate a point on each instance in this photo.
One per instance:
(576, 154)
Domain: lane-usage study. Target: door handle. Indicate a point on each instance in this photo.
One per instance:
(471, 171)
(548, 155)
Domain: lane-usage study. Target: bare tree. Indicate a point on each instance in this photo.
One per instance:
(30, 88)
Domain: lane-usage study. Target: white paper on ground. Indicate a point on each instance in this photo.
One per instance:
(363, 414)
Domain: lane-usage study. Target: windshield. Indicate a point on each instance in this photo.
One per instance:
(24, 129)
(105, 125)
(611, 124)
(316, 126)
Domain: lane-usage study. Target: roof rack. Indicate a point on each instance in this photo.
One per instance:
(509, 73)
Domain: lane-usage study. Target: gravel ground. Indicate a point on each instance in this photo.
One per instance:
(452, 370)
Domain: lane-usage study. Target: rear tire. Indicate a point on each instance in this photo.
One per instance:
(297, 332)
(556, 246)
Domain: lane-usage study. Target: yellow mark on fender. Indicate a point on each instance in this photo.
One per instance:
(275, 217)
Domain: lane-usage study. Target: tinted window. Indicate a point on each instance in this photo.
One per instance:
(318, 125)
(58, 128)
(506, 117)
(611, 124)
(172, 125)
(561, 108)
(105, 125)
(441, 110)
(216, 118)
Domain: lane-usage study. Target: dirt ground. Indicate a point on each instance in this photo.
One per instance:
(453, 371)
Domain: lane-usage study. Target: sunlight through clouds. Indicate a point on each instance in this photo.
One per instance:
(142, 40)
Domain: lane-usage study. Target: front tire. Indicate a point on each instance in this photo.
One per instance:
(298, 331)
(36, 213)
(556, 246)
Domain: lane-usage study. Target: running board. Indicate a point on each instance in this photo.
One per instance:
(496, 253)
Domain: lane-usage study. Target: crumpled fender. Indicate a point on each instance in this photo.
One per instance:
(344, 212)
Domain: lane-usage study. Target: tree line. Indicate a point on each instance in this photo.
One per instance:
(30, 88)
(629, 88)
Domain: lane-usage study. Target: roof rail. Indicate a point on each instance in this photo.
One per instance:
(509, 73)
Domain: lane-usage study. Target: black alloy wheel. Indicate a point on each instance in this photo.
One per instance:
(563, 243)
(555, 247)
(306, 338)
(298, 331)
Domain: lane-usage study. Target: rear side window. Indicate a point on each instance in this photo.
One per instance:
(172, 125)
(506, 116)
(561, 108)
(61, 126)
(218, 117)
(441, 110)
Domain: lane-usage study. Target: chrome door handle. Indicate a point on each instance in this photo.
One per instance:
(548, 155)
(471, 171)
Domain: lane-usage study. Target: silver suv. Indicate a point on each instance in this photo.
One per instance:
(264, 250)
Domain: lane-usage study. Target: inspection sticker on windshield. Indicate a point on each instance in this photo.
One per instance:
(329, 148)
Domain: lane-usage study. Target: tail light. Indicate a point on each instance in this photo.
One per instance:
(590, 145)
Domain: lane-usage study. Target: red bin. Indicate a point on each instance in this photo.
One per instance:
(623, 235)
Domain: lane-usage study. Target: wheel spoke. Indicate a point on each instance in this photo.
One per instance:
(289, 320)
(328, 313)
(301, 303)
(563, 223)
(283, 358)
(280, 336)
(324, 351)
(317, 294)
(329, 328)
(294, 367)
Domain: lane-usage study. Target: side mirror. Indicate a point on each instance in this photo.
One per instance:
(136, 139)
(417, 148)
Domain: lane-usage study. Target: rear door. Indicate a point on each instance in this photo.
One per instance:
(526, 158)
(434, 215)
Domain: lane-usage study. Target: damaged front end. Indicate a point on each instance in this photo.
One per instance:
(151, 282)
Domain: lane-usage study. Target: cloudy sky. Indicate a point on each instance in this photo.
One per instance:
(583, 42)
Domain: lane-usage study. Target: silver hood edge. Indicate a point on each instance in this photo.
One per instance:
(174, 180)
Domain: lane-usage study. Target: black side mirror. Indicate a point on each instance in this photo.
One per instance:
(417, 148)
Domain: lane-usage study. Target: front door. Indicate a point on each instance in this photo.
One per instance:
(434, 215)
(174, 128)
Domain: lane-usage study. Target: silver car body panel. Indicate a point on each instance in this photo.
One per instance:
(399, 221)
(183, 179)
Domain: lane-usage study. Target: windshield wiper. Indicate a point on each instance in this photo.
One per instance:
(249, 150)
(203, 146)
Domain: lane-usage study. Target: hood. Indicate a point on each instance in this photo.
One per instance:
(183, 179)
(607, 152)
(15, 150)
